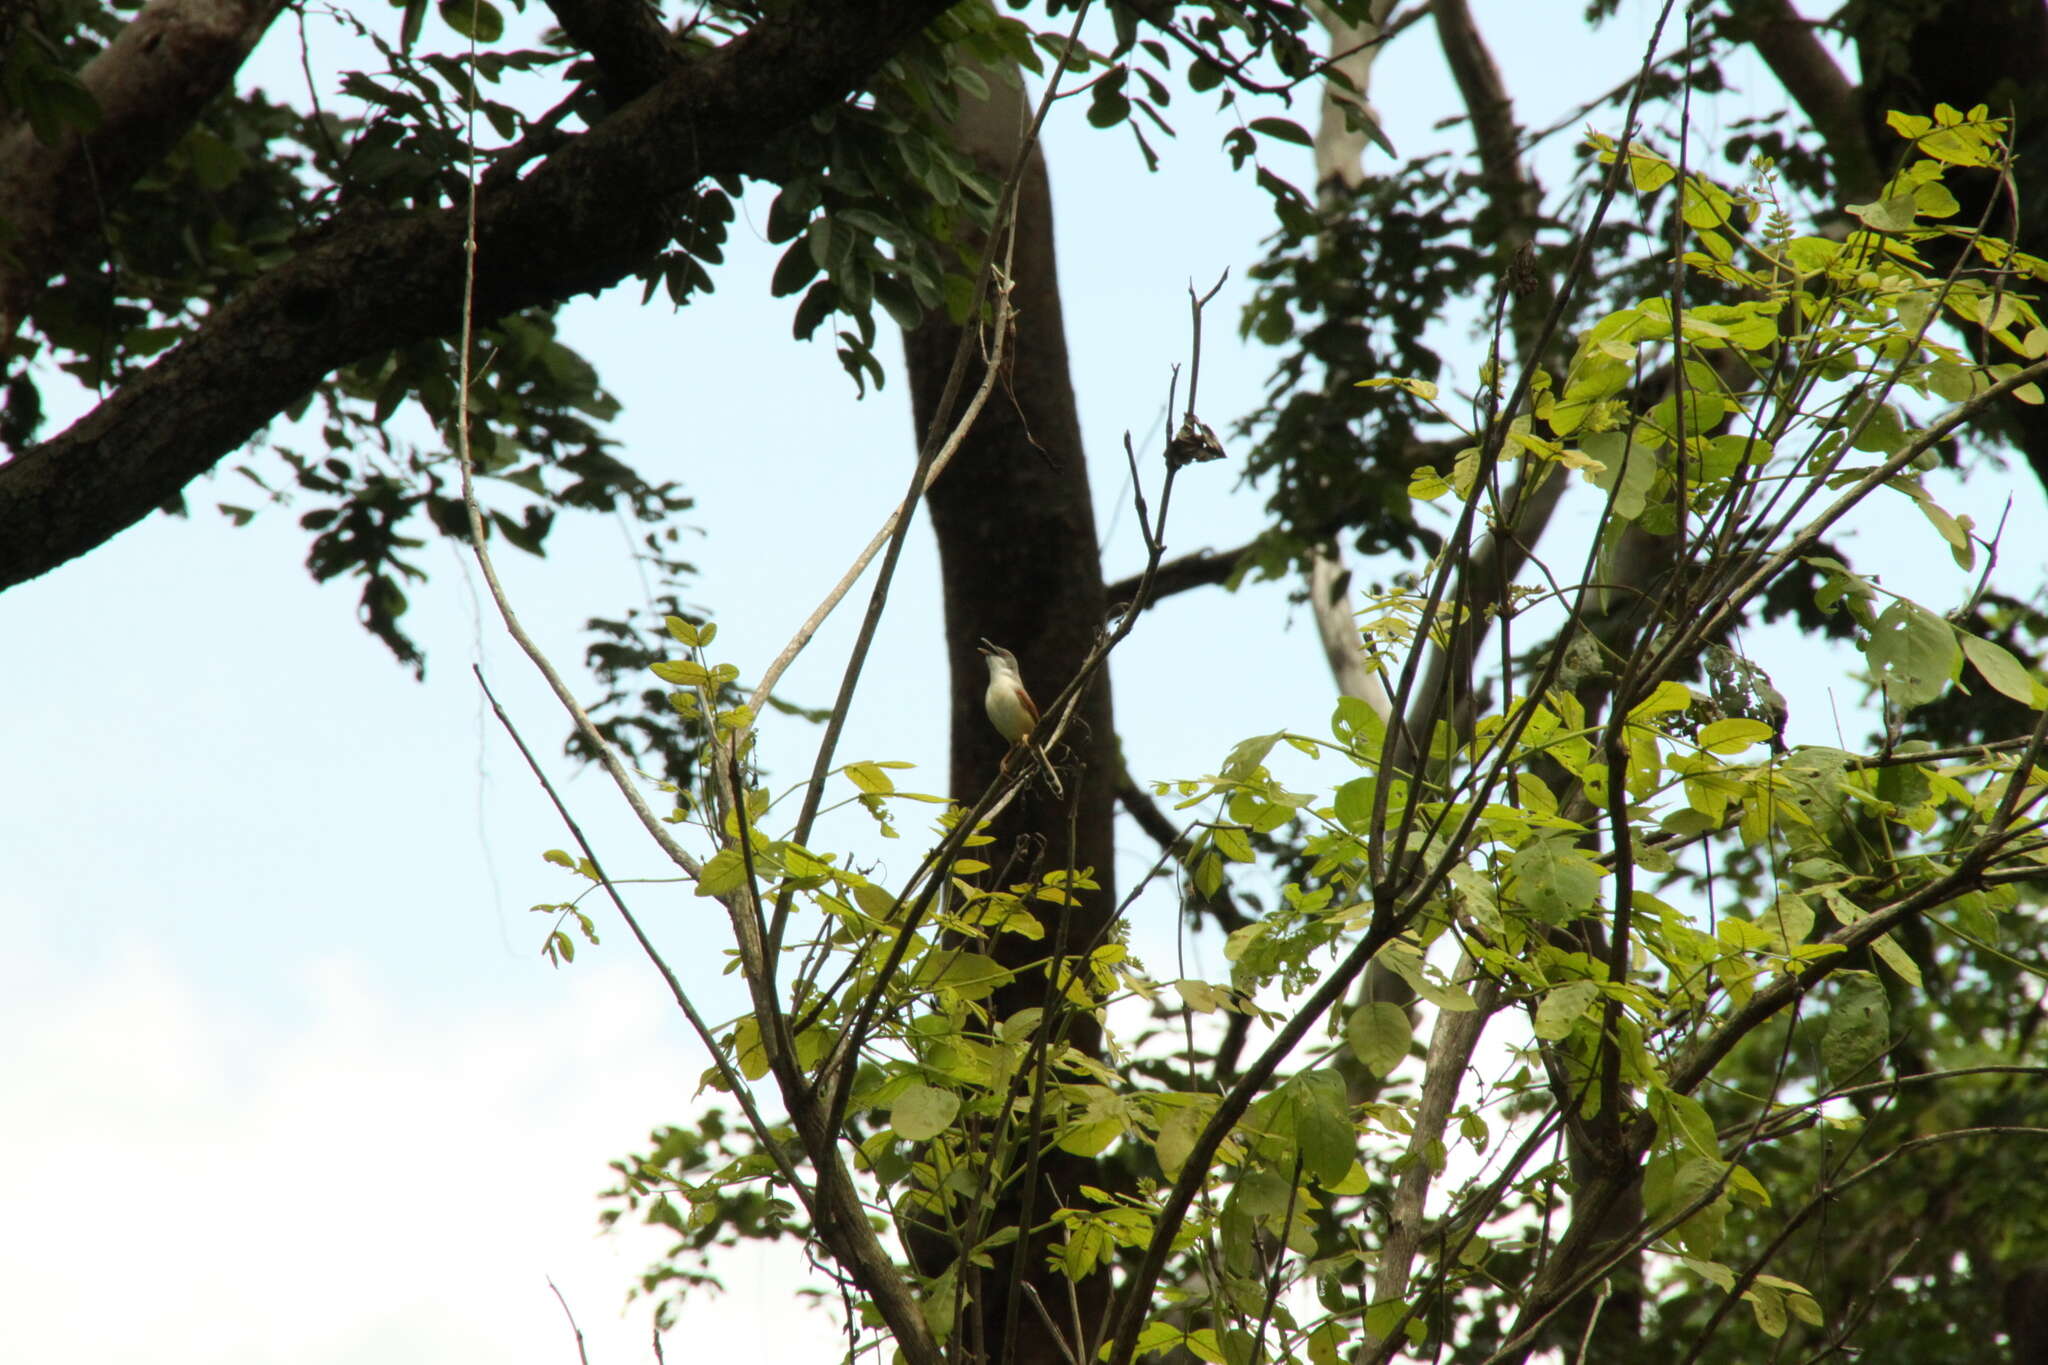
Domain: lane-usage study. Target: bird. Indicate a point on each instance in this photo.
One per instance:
(1010, 708)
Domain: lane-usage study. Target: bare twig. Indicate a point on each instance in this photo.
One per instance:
(581, 1354)
(734, 1082)
(836, 1213)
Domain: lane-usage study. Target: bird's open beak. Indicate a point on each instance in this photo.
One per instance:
(984, 647)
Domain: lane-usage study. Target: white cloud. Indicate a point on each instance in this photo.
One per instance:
(186, 1180)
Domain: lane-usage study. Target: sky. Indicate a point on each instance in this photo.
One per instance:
(286, 1075)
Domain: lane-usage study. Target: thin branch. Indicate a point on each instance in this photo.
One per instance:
(1000, 246)
(735, 1084)
(835, 1210)
(887, 533)
(581, 1354)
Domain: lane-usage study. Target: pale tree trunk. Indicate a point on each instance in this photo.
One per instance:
(1340, 151)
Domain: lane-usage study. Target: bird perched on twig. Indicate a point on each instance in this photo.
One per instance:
(1011, 710)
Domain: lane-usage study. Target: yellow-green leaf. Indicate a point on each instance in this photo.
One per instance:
(1733, 735)
(1669, 697)
(722, 873)
(681, 672)
(922, 1112)
(1562, 1007)
(870, 778)
(2001, 669)
(1378, 1033)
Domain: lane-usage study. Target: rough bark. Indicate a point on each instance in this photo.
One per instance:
(1016, 533)
(581, 220)
(150, 84)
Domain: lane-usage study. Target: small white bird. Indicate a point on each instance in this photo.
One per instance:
(1011, 710)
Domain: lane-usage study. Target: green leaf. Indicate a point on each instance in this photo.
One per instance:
(870, 778)
(55, 102)
(875, 901)
(1889, 215)
(1883, 432)
(1684, 1119)
(1285, 130)
(1378, 1033)
(1769, 1306)
(1354, 802)
(796, 269)
(681, 672)
(1322, 1124)
(1733, 735)
(1243, 763)
(1812, 255)
(1913, 653)
(722, 873)
(746, 1046)
(1233, 843)
(1858, 1027)
(478, 19)
(922, 1112)
(2002, 670)
(1897, 958)
(1649, 172)
(1628, 469)
(1554, 881)
(1407, 964)
(1562, 1007)
(1669, 697)
(1381, 1317)
(972, 975)
(216, 163)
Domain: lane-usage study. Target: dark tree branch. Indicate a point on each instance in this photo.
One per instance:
(584, 218)
(1206, 568)
(1786, 42)
(633, 52)
(150, 84)
(1201, 569)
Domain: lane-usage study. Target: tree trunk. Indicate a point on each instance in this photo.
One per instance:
(1017, 549)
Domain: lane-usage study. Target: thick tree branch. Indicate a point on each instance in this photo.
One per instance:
(149, 84)
(1512, 194)
(1786, 42)
(1340, 170)
(580, 221)
(634, 53)
(1199, 569)
(1451, 1043)
(1206, 568)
